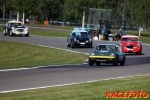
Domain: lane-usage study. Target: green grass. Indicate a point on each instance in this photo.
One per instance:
(49, 33)
(84, 91)
(16, 55)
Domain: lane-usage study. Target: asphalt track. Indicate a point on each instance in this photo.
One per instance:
(47, 76)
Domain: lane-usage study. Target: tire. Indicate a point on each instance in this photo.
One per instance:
(115, 63)
(91, 63)
(10, 33)
(68, 44)
(27, 35)
(122, 62)
(98, 63)
(139, 53)
(72, 44)
(4, 32)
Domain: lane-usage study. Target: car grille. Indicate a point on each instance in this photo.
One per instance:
(82, 40)
(20, 30)
(130, 46)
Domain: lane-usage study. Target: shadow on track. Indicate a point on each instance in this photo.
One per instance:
(129, 62)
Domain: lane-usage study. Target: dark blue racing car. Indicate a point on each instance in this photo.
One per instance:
(79, 38)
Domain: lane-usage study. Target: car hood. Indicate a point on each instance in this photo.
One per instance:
(130, 43)
(82, 37)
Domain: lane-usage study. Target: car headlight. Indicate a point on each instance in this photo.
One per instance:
(92, 54)
(27, 29)
(121, 44)
(111, 54)
(86, 41)
(13, 28)
(90, 39)
(139, 45)
(75, 39)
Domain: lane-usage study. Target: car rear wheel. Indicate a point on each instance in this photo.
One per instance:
(122, 62)
(91, 63)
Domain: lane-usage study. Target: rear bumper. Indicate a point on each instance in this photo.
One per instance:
(102, 59)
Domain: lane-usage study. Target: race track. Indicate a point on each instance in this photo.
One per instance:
(39, 77)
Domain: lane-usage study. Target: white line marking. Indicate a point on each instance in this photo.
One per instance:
(16, 69)
(67, 84)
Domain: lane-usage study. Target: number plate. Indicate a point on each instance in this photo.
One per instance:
(82, 43)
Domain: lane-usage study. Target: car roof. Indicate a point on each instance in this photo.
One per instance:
(78, 31)
(108, 44)
(130, 36)
(13, 21)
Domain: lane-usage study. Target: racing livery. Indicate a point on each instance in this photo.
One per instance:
(79, 38)
(107, 53)
(131, 44)
(15, 28)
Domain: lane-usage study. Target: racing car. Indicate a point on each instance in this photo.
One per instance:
(15, 28)
(107, 53)
(79, 38)
(131, 44)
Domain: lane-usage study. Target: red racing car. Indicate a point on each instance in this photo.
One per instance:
(131, 44)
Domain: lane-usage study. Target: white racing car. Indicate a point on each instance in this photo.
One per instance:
(15, 28)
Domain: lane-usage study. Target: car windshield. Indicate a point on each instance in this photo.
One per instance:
(81, 33)
(111, 47)
(15, 24)
(106, 48)
(129, 39)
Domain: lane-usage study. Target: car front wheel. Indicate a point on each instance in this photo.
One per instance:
(91, 63)
(68, 44)
(72, 44)
(4, 32)
(11, 33)
(27, 34)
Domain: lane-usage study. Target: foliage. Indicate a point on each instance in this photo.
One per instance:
(136, 12)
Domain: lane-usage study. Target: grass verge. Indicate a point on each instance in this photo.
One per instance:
(16, 55)
(144, 39)
(85, 91)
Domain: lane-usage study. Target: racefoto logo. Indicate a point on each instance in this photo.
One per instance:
(128, 94)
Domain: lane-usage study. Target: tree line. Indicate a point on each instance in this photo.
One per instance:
(135, 12)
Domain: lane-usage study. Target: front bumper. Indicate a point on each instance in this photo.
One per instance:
(102, 59)
(89, 43)
(20, 32)
(131, 50)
